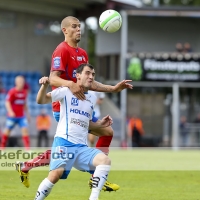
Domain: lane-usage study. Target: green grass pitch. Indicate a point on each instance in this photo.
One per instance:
(143, 174)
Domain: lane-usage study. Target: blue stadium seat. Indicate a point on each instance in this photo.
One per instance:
(36, 75)
(9, 86)
(2, 110)
(4, 79)
(11, 80)
(28, 74)
(36, 79)
(2, 96)
(2, 73)
(20, 73)
(14, 74)
(35, 88)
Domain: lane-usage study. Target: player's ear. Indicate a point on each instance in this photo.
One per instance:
(64, 30)
(77, 76)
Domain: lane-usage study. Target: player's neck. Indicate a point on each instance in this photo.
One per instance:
(72, 44)
(18, 88)
(85, 90)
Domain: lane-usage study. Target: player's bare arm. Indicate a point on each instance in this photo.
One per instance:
(103, 123)
(125, 84)
(9, 109)
(42, 96)
(56, 81)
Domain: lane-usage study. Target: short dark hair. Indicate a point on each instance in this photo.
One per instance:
(81, 67)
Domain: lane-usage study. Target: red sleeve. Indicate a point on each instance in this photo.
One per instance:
(86, 56)
(26, 86)
(59, 59)
(10, 96)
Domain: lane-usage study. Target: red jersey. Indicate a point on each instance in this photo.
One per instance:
(67, 59)
(26, 86)
(17, 100)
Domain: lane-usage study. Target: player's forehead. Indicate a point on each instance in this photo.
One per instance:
(68, 21)
(74, 22)
(88, 69)
(19, 78)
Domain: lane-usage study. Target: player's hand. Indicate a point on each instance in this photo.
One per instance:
(106, 121)
(77, 90)
(44, 80)
(122, 85)
(11, 114)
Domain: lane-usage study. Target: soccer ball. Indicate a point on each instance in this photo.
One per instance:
(110, 21)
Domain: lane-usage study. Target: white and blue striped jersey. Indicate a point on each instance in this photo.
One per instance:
(74, 115)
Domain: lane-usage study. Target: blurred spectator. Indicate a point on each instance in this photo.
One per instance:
(2, 90)
(179, 47)
(184, 131)
(100, 96)
(43, 123)
(187, 47)
(16, 109)
(183, 48)
(197, 120)
(135, 131)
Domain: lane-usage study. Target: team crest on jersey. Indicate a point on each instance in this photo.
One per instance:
(79, 58)
(74, 101)
(74, 73)
(56, 62)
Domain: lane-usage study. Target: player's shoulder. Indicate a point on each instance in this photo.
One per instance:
(62, 89)
(91, 94)
(61, 47)
(12, 90)
(81, 50)
(60, 93)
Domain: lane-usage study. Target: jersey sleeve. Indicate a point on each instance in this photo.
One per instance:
(86, 57)
(59, 93)
(59, 59)
(94, 100)
(94, 119)
(102, 95)
(9, 96)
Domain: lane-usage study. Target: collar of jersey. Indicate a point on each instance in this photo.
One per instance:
(85, 92)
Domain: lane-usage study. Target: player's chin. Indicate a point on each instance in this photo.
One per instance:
(78, 39)
(89, 85)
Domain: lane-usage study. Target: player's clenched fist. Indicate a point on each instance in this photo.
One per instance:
(106, 121)
(44, 80)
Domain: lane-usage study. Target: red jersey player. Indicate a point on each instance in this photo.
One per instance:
(65, 59)
(16, 105)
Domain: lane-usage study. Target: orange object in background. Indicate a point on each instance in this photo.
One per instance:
(43, 122)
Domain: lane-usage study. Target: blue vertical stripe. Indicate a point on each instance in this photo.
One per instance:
(66, 117)
(67, 73)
